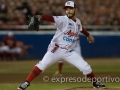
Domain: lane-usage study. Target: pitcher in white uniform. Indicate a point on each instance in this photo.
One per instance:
(62, 46)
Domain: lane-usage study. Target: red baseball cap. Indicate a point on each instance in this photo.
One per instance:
(69, 4)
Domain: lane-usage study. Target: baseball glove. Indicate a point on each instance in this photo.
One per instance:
(34, 23)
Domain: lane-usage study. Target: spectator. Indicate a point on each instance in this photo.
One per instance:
(3, 13)
(93, 12)
(26, 9)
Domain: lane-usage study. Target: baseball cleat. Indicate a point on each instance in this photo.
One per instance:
(57, 74)
(23, 86)
(98, 85)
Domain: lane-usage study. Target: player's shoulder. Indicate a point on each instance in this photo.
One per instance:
(61, 16)
(78, 20)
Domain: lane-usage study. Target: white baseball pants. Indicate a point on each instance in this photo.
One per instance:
(62, 54)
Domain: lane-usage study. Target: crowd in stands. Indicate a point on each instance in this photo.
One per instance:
(90, 12)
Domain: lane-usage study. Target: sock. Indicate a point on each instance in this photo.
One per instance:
(91, 77)
(60, 67)
(34, 73)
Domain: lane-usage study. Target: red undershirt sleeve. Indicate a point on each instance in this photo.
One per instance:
(47, 18)
(85, 32)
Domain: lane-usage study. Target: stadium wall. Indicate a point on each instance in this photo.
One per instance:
(107, 44)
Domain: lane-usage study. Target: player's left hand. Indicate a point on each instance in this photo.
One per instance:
(90, 39)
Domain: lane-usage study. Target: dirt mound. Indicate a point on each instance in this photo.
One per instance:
(90, 88)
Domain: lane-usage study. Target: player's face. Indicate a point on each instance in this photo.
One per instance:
(70, 12)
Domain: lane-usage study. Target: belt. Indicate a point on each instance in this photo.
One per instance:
(61, 47)
(57, 46)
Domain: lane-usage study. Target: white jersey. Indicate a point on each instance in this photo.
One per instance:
(67, 32)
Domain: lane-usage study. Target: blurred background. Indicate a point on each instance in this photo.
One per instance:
(100, 17)
(101, 13)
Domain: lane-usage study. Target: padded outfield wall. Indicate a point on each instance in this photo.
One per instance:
(107, 44)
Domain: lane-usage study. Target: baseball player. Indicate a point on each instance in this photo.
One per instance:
(77, 49)
(10, 41)
(62, 45)
(3, 51)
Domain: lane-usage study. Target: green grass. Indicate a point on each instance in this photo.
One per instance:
(17, 66)
(106, 65)
(99, 65)
(52, 86)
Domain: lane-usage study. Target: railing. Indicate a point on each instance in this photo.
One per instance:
(52, 27)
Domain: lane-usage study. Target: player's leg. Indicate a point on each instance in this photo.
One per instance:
(4, 52)
(49, 59)
(77, 49)
(60, 65)
(77, 61)
(59, 71)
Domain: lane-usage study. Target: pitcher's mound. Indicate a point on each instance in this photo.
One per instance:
(91, 88)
